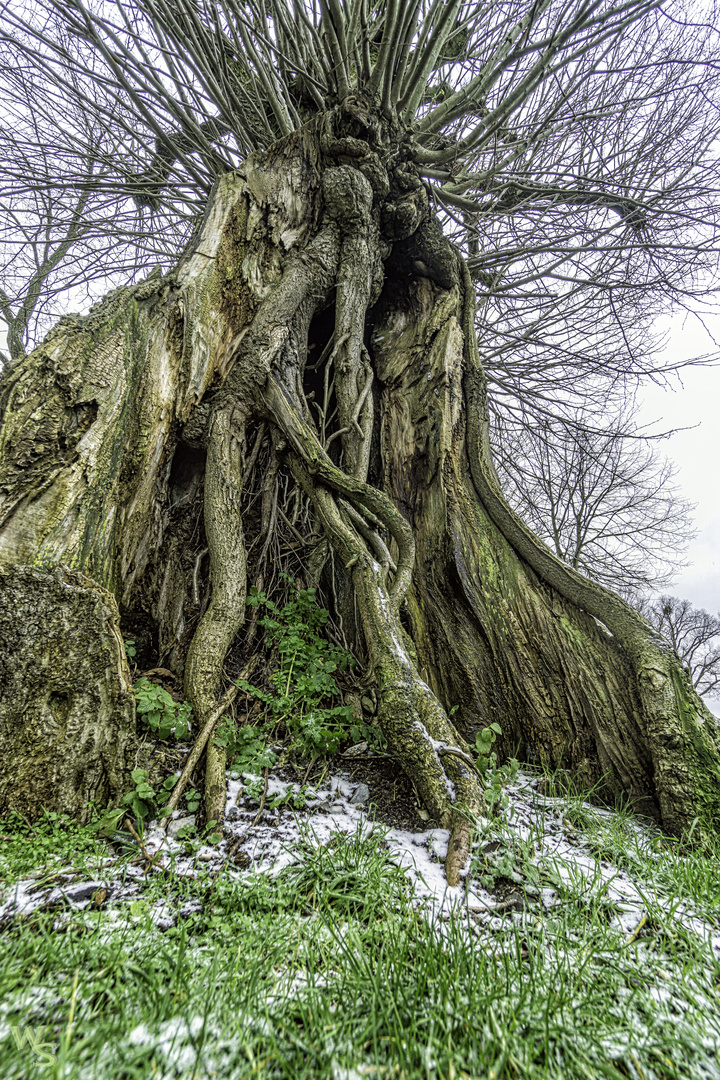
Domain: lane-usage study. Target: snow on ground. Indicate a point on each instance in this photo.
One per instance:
(532, 846)
(528, 862)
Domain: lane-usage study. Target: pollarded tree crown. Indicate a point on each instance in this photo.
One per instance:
(323, 324)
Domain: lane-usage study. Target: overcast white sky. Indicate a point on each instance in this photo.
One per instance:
(692, 401)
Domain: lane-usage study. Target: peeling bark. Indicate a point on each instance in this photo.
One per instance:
(307, 382)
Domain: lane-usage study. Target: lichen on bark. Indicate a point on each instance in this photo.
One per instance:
(67, 716)
(304, 393)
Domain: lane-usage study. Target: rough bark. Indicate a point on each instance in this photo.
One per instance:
(306, 383)
(226, 609)
(66, 707)
(490, 635)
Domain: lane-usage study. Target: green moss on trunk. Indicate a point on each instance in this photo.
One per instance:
(67, 713)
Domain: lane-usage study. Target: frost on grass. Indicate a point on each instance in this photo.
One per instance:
(527, 861)
(580, 908)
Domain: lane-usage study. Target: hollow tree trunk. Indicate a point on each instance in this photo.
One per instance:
(305, 391)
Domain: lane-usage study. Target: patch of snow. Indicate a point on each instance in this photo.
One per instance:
(173, 1041)
(179, 823)
(551, 860)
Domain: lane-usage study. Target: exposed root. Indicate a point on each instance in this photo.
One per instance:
(453, 750)
(371, 537)
(418, 730)
(214, 793)
(349, 202)
(459, 847)
(315, 463)
(226, 611)
(679, 730)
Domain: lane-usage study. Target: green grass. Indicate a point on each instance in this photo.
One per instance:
(331, 970)
(47, 846)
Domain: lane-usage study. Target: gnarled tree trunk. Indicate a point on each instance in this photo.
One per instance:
(305, 391)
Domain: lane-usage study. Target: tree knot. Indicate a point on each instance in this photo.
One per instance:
(348, 197)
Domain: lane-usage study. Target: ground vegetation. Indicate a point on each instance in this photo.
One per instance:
(301, 400)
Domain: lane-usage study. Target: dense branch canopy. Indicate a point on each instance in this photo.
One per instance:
(571, 146)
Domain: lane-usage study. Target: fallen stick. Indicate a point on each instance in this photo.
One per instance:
(194, 756)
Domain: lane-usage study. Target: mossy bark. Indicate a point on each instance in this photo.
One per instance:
(491, 637)
(98, 479)
(307, 382)
(66, 706)
(226, 609)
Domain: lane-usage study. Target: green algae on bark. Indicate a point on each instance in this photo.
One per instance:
(304, 394)
(67, 712)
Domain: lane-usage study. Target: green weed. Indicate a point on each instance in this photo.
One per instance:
(162, 714)
(145, 801)
(300, 691)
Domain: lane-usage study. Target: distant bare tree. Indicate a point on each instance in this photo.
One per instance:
(601, 497)
(694, 635)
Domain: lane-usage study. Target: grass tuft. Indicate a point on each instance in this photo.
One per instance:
(332, 969)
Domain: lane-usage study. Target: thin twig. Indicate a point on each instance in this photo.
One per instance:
(198, 747)
(262, 801)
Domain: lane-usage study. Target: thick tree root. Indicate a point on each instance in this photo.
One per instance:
(226, 611)
(349, 201)
(459, 848)
(679, 731)
(417, 728)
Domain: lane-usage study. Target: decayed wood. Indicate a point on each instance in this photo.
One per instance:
(123, 455)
